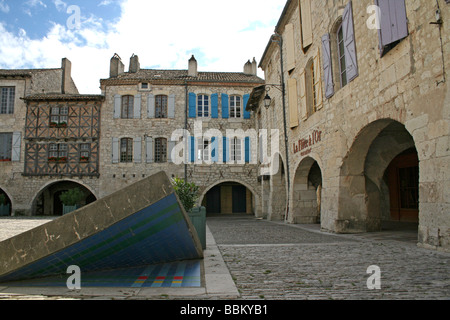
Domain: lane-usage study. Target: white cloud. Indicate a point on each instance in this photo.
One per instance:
(222, 35)
(60, 5)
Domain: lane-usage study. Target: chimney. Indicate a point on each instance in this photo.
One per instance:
(254, 67)
(248, 68)
(116, 66)
(134, 64)
(192, 72)
(66, 67)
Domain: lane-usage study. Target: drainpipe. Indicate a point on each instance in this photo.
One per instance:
(185, 130)
(286, 140)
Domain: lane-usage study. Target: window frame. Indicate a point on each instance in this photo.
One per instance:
(161, 106)
(58, 151)
(341, 60)
(236, 149)
(59, 115)
(234, 109)
(203, 109)
(6, 153)
(127, 155)
(127, 107)
(7, 99)
(160, 150)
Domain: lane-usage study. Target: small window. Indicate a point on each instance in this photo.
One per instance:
(144, 85)
(203, 150)
(203, 106)
(5, 146)
(59, 116)
(126, 150)
(127, 107)
(85, 152)
(160, 150)
(58, 151)
(7, 97)
(312, 88)
(161, 106)
(235, 106)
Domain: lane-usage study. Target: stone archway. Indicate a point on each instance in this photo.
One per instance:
(307, 193)
(5, 204)
(47, 202)
(229, 197)
(364, 187)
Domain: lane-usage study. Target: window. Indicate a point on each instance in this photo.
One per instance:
(160, 150)
(203, 150)
(341, 56)
(161, 106)
(203, 106)
(126, 150)
(311, 88)
(5, 146)
(85, 152)
(236, 149)
(127, 107)
(59, 116)
(58, 151)
(7, 97)
(235, 106)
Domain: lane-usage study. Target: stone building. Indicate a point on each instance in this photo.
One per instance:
(360, 96)
(177, 121)
(37, 114)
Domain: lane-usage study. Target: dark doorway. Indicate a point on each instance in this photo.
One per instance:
(239, 199)
(213, 200)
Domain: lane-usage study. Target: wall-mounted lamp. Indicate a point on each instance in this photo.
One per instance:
(267, 98)
(438, 17)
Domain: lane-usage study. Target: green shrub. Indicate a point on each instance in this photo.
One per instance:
(72, 197)
(187, 192)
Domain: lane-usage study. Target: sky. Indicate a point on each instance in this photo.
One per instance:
(223, 35)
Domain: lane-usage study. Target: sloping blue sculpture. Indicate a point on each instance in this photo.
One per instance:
(143, 224)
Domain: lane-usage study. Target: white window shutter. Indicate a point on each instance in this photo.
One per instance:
(137, 150)
(151, 106)
(16, 142)
(137, 106)
(171, 146)
(303, 107)
(117, 106)
(149, 149)
(115, 150)
(171, 106)
(293, 103)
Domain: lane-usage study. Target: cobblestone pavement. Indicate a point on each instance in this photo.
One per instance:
(277, 261)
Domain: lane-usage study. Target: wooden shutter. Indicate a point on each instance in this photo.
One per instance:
(149, 150)
(171, 106)
(318, 81)
(192, 105)
(150, 106)
(293, 103)
(214, 106)
(225, 106)
(16, 142)
(349, 42)
(290, 46)
(137, 106)
(306, 23)
(303, 106)
(117, 106)
(247, 150)
(137, 150)
(393, 22)
(327, 66)
(192, 149)
(214, 149)
(247, 114)
(226, 149)
(115, 150)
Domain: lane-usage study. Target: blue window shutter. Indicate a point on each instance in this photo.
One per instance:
(225, 106)
(214, 149)
(192, 105)
(327, 66)
(247, 149)
(214, 106)
(348, 31)
(226, 147)
(247, 114)
(192, 149)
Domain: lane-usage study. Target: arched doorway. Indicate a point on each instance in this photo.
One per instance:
(307, 192)
(48, 202)
(367, 190)
(5, 204)
(228, 197)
